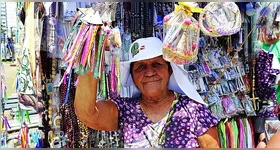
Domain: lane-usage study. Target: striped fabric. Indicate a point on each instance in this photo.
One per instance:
(271, 127)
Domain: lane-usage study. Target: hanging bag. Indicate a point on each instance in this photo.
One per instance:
(181, 30)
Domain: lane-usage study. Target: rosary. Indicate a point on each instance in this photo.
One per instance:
(253, 86)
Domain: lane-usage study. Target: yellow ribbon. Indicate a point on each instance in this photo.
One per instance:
(189, 9)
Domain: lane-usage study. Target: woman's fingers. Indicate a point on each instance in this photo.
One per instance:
(277, 109)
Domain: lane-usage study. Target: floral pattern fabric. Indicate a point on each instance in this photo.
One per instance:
(188, 121)
(265, 84)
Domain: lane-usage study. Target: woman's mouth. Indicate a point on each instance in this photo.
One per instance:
(153, 81)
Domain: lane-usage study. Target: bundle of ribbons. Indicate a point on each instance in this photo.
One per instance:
(4, 126)
(3, 90)
(87, 48)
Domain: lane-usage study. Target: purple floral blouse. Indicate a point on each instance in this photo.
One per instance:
(189, 120)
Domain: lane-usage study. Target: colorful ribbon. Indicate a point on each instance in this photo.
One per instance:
(101, 36)
(68, 88)
(118, 76)
(70, 35)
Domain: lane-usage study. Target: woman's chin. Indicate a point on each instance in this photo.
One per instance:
(152, 92)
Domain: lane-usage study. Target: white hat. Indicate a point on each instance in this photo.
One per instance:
(146, 48)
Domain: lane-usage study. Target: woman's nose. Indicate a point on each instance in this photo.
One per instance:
(150, 71)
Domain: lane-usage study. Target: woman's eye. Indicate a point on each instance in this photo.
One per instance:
(156, 64)
(140, 67)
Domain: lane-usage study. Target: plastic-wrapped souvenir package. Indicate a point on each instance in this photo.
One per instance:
(237, 103)
(248, 106)
(213, 98)
(180, 44)
(220, 19)
(229, 106)
(218, 110)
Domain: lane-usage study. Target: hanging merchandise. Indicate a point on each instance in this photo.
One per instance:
(39, 12)
(28, 97)
(115, 43)
(70, 10)
(24, 136)
(69, 119)
(35, 139)
(236, 133)
(181, 35)
(3, 88)
(4, 127)
(82, 57)
(268, 27)
(277, 15)
(142, 17)
(161, 10)
(250, 11)
(220, 19)
(228, 98)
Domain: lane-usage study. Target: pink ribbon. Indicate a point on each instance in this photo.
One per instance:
(77, 81)
(113, 75)
(241, 134)
(86, 47)
(7, 125)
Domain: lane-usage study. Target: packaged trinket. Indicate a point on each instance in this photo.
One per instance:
(180, 44)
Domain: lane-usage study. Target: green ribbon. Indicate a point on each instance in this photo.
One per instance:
(27, 116)
(22, 114)
(18, 114)
(278, 93)
(6, 96)
(103, 85)
(98, 54)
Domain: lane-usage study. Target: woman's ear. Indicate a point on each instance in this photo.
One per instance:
(170, 71)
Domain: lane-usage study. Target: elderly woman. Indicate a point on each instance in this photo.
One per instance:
(164, 111)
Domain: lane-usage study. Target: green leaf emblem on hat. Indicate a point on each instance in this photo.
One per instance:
(135, 49)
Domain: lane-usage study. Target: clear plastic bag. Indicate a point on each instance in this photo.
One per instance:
(237, 103)
(180, 44)
(248, 106)
(218, 110)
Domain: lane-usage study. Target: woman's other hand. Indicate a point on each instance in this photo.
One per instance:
(277, 109)
(210, 139)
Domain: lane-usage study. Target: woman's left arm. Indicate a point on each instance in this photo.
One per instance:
(209, 139)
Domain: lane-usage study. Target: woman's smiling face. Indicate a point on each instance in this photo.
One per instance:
(151, 76)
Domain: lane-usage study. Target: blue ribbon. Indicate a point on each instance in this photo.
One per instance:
(17, 83)
(68, 88)
(270, 48)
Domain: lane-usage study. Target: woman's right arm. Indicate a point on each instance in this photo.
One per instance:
(100, 115)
